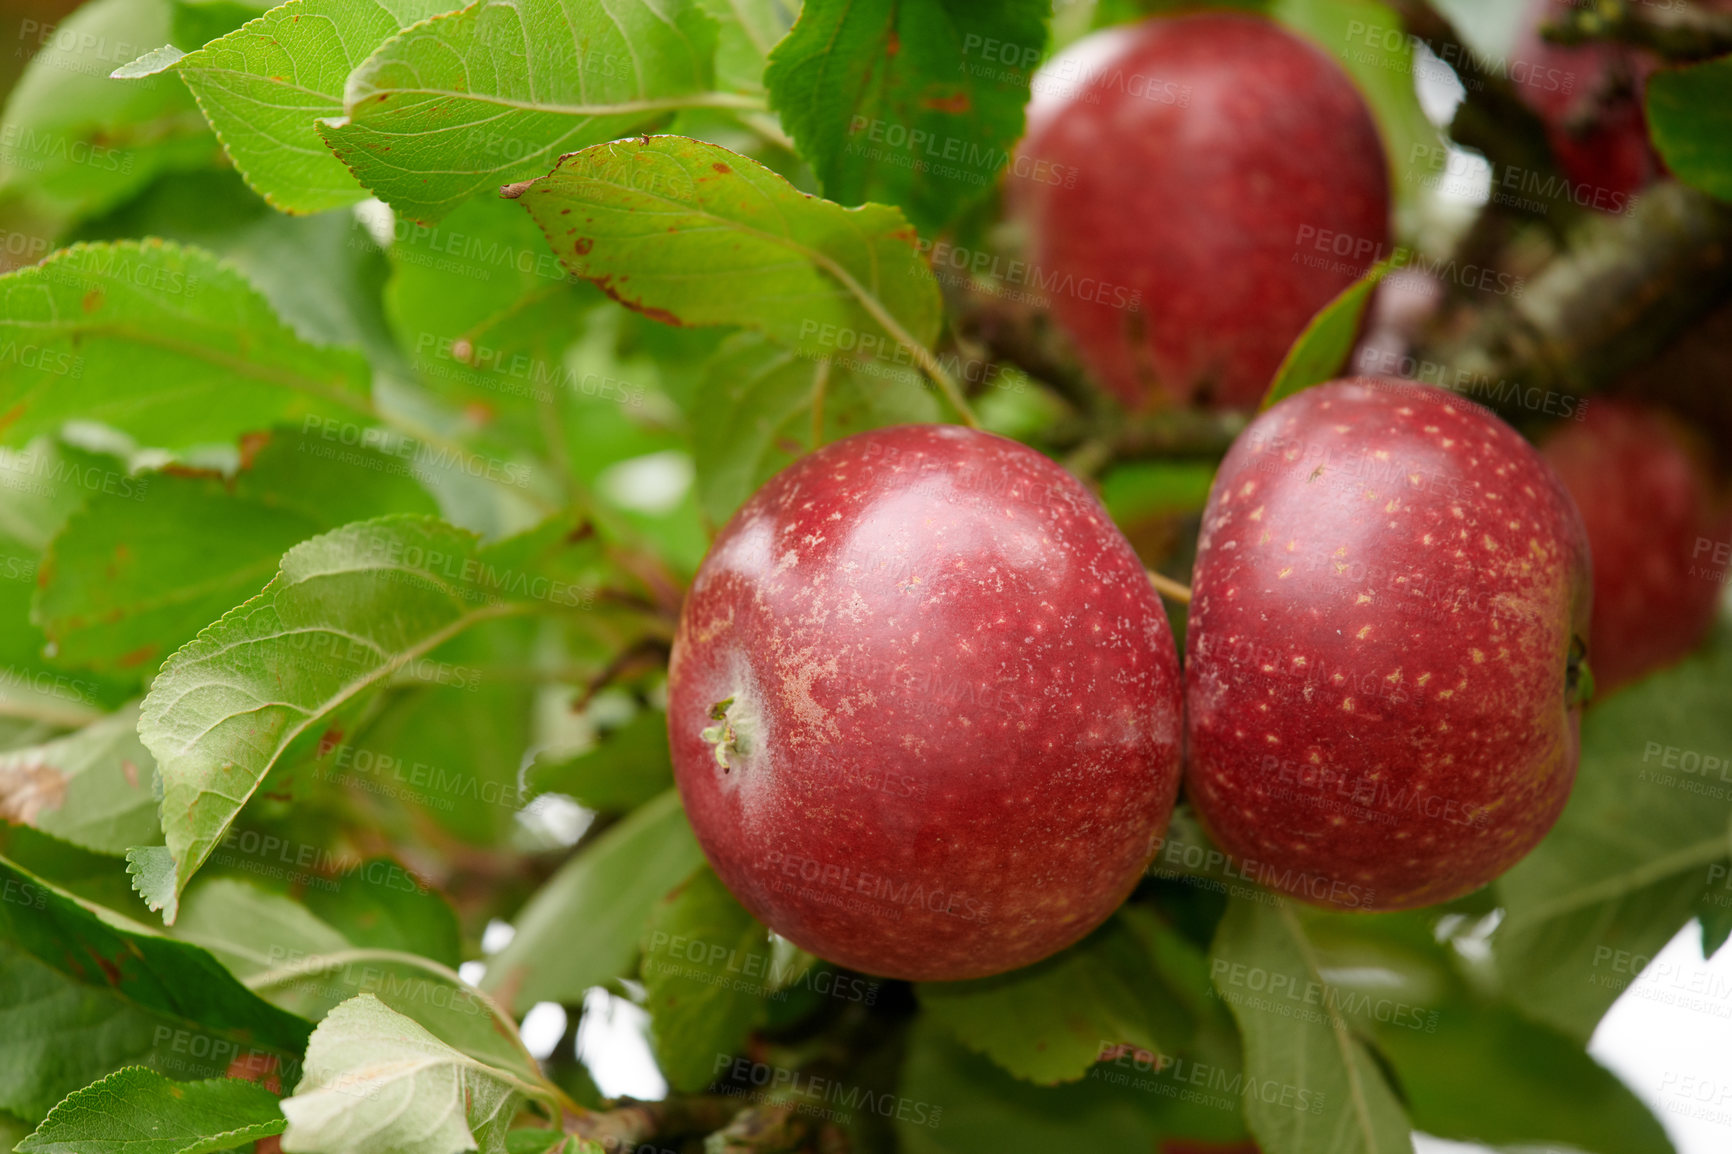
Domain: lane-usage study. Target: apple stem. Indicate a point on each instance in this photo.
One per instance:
(1169, 588)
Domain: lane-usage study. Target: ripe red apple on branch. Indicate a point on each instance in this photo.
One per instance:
(924, 707)
(1385, 649)
(1220, 170)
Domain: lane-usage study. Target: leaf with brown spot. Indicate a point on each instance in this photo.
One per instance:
(27, 788)
(85, 788)
(751, 251)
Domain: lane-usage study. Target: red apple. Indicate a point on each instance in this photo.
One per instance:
(1220, 171)
(924, 707)
(1590, 98)
(1391, 602)
(1655, 525)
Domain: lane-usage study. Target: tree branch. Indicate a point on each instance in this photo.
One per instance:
(1678, 32)
(1625, 289)
(1493, 119)
(633, 1123)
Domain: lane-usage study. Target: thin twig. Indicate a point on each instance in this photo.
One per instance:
(1169, 588)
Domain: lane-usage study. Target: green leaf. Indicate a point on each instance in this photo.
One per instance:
(1568, 968)
(320, 273)
(462, 103)
(128, 581)
(486, 312)
(93, 878)
(450, 749)
(525, 1140)
(1050, 1022)
(953, 1101)
(265, 85)
(1140, 490)
(582, 928)
(1690, 121)
(901, 103)
(746, 30)
(706, 974)
(1310, 1083)
(379, 905)
(753, 413)
(630, 766)
(1716, 928)
(690, 233)
(377, 1083)
(78, 142)
(141, 1112)
(1491, 1076)
(1652, 797)
(130, 996)
(91, 788)
(306, 966)
(251, 930)
(266, 683)
(164, 343)
(1323, 348)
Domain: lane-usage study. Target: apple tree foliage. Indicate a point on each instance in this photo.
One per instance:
(347, 493)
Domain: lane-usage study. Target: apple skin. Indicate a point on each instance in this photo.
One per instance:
(1381, 707)
(956, 704)
(1206, 195)
(1653, 521)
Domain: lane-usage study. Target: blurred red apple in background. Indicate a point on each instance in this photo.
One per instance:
(1659, 533)
(1590, 98)
(1217, 170)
